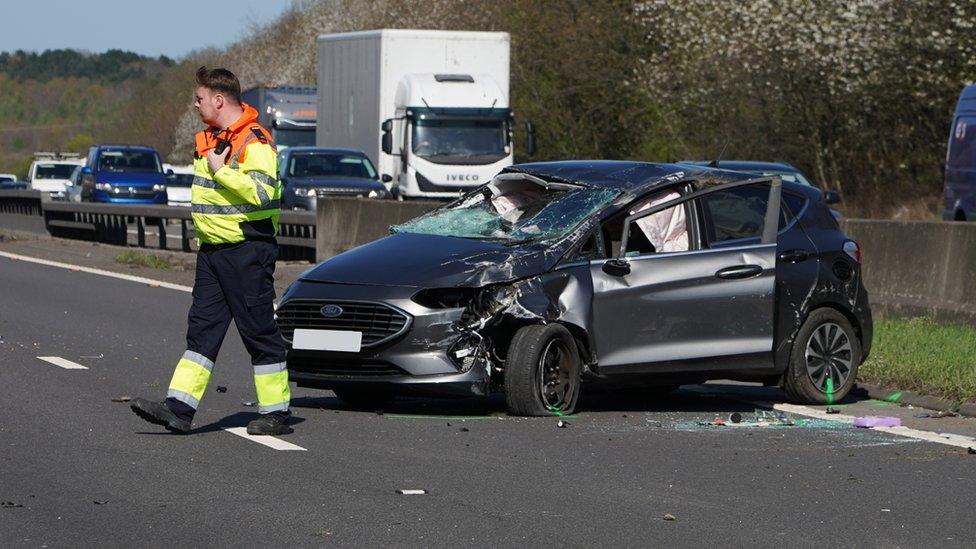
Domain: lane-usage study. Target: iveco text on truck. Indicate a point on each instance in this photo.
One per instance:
(430, 108)
(288, 112)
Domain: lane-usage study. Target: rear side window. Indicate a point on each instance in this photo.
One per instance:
(794, 204)
(962, 144)
(735, 213)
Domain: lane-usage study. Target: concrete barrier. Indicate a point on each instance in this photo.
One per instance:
(918, 268)
(344, 223)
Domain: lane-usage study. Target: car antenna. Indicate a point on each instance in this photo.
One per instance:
(714, 163)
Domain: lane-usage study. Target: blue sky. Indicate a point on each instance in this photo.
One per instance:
(149, 27)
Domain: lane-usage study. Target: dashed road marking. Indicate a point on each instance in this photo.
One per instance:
(62, 363)
(270, 442)
(101, 272)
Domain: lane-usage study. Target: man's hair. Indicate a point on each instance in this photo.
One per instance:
(220, 81)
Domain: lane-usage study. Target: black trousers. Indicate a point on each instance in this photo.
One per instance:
(234, 282)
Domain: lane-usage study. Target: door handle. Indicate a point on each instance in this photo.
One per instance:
(794, 256)
(740, 271)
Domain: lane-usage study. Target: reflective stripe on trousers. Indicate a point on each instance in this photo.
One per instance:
(271, 382)
(190, 379)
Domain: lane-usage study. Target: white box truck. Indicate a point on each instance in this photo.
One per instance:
(430, 108)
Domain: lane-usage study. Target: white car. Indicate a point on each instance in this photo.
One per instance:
(179, 179)
(51, 174)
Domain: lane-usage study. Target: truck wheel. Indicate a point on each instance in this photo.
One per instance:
(365, 398)
(542, 373)
(824, 360)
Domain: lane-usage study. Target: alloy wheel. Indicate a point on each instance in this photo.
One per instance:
(829, 357)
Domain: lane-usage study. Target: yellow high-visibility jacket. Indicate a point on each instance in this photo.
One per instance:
(242, 200)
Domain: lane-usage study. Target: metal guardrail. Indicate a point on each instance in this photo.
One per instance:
(145, 226)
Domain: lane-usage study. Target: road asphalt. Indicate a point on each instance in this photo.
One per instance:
(79, 469)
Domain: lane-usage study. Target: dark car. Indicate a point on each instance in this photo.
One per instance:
(123, 174)
(309, 173)
(786, 172)
(960, 166)
(625, 274)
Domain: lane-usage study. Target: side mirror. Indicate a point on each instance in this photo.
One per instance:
(86, 170)
(617, 267)
(388, 142)
(831, 197)
(387, 125)
(169, 171)
(530, 146)
(386, 178)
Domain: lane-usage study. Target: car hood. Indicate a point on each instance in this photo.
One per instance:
(347, 182)
(428, 261)
(136, 179)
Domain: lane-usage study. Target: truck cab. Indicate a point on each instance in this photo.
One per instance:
(451, 132)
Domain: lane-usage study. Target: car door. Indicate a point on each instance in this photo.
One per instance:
(710, 307)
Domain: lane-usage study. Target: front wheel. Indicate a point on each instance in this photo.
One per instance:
(542, 373)
(824, 361)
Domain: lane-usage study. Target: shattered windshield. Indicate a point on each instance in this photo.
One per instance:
(513, 212)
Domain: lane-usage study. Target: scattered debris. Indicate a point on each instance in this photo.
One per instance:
(96, 502)
(122, 399)
(10, 505)
(248, 403)
(831, 410)
(971, 450)
(221, 389)
(868, 422)
(936, 415)
(562, 424)
(885, 510)
(735, 417)
(410, 492)
(100, 355)
(464, 429)
(670, 517)
(893, 397)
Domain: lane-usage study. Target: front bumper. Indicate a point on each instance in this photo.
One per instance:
(414, 361)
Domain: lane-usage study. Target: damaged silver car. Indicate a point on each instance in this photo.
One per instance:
(555, 276)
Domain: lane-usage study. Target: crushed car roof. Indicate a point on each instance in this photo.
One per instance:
(618, 174)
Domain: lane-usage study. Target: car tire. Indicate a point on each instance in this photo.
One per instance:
(824, 361)
(542, 357)
(370, 399)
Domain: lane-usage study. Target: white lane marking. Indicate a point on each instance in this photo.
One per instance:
(270, 442)
(62, 363)
(948, 439)
(90, 270)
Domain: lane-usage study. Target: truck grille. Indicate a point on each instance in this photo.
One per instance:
(122, 191)
(344, 368)
(379, 323)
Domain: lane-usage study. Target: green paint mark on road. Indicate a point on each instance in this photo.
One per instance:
(893, 397)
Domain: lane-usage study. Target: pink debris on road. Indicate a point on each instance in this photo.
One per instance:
(876, 421)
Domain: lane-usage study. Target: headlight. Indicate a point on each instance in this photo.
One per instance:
(158, 187)
(378, 193)
(303, 191)
(107, 187)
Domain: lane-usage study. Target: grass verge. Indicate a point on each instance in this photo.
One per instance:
(920, 355)
(152, 261)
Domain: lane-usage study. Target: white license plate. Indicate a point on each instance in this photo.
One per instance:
(327, 340)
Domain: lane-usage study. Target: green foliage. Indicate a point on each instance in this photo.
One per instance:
(113, 66)
(139, 259)
(919, 354)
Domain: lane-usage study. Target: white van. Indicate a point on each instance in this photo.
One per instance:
(50, 172)
(179, 179)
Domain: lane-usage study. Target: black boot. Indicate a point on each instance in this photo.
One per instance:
(269, 424)
(158, 414)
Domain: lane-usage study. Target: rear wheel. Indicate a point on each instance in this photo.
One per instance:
(365, 398)
(542, 373)
(824, 361)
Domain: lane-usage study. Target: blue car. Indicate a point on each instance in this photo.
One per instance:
(960, 169)
(123, 174)
(310, 173)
